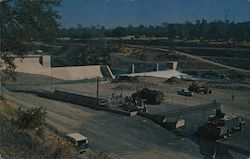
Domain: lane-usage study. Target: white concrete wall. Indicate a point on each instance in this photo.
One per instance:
(77, 72)
(41, 65)
(32, 65)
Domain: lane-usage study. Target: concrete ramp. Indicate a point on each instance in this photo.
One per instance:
(160, 74)
(106, 72)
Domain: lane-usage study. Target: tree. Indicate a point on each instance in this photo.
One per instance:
(23, 22)
(31, 119)
(201, 29)
(119, 32)
(96, 52)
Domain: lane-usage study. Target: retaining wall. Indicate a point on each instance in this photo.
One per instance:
(86, 101)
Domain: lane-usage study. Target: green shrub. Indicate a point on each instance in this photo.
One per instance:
(33, 118)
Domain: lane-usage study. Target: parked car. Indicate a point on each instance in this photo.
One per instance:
(185, 92)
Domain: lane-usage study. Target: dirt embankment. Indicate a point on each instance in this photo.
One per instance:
(27, 143)
(18, 143)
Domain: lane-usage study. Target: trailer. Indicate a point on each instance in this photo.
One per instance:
(173, 119)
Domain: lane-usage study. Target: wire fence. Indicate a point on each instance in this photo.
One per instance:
(183, 100)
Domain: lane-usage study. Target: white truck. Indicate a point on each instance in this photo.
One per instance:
(81, 142)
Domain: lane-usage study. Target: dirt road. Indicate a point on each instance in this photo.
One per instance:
(133, 137)
(129, 137)
(197, 58)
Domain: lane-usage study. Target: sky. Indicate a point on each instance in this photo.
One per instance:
(112, 13)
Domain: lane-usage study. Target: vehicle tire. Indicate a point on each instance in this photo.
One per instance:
(225, 135)
(242, 126)
(230, 132)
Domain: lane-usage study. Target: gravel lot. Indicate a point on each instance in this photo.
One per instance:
(139, 138)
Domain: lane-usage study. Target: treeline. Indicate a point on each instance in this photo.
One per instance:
(201, 29)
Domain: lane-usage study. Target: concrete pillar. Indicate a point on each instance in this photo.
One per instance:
(157, 66)
(173, 65)
(46, 61)
(133, 68)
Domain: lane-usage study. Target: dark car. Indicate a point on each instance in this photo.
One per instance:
(185, 92)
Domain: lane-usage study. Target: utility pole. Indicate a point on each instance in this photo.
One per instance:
(121, 89)
(1, 62)
(51, 79)
(233, 103)
(97, 88)
(1, 95)
(1, 74)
